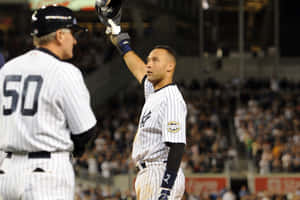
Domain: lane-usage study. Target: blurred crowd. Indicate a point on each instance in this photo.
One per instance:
(91, 50)
(99, 193)
(267, 123)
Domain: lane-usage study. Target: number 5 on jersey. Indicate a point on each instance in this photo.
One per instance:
(14, 95)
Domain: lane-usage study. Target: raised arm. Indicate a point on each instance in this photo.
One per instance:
(109, 13)
(134, 63)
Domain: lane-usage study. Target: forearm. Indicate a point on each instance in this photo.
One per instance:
(175, 156)
(135, 64)
(81, 141)
(173, 164)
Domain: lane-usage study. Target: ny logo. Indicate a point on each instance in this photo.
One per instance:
(166, 178)
(145, 118)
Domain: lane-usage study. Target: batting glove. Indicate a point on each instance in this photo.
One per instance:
(113, 28)
(164, 194)
(167, 184)
(122, 42)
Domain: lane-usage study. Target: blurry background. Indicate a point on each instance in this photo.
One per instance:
(238, 69)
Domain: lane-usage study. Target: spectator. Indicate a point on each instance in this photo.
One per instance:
(229, 195)
(243, 192)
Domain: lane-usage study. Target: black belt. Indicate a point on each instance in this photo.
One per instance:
(143, 165)
(32, 155)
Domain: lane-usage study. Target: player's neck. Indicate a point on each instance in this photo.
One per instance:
(162, 83)
(56, 51)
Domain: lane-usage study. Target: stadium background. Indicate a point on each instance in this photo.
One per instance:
(238, 69)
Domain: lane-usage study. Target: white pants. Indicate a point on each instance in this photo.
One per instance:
(53, 178)
(148, 181)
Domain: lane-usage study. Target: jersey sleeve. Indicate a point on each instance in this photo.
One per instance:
(76, 102)
(174, 121)
(148, 87)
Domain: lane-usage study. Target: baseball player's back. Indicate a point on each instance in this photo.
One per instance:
(45, 113)
(36, 87)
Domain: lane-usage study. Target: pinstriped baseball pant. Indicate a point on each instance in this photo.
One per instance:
(148, 181)
(22, 178)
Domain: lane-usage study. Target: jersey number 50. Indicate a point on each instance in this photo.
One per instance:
(14, 94)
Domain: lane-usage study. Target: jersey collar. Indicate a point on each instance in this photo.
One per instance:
(165, 86)
(48, 52)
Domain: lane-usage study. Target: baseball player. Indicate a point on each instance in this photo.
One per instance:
(45, 112)
(159, 143)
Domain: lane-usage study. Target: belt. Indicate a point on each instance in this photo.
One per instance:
(142, 165)
(32, 155)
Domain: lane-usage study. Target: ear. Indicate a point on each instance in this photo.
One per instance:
(170, 67)
(59, 37)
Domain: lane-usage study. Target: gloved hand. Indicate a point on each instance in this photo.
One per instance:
(122, 42)
(164, 194)
(109, 10)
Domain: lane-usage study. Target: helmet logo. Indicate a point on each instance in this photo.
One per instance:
(59, 17)
(34, 18)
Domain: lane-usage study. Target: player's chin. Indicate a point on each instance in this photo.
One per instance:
(69, 56)
(150, 78)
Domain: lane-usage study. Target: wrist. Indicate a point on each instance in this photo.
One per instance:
(122, 42)
(168, 179)
(124, 47)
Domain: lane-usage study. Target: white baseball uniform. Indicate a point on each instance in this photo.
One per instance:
(43, 101)
(162, 120)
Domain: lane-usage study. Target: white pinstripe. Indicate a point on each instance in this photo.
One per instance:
(63, 108)
(162, 120)
(20, 182)
(147, 184)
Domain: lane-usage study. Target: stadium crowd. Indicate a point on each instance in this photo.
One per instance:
(99, 193)
(89, 52)
(267, 124)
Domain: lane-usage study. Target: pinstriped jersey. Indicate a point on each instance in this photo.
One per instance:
(163, 119)
(42, 101)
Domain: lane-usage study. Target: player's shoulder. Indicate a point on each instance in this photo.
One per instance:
(66, 67)
(69, 73)
(11, 64)
(61, 66)
(12, 61)
(173, 94)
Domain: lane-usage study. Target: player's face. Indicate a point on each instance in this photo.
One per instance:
(157, 63)
(68, 43)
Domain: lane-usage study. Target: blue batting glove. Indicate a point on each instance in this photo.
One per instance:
(164, 194)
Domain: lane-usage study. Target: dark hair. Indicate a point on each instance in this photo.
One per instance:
(169, 49)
